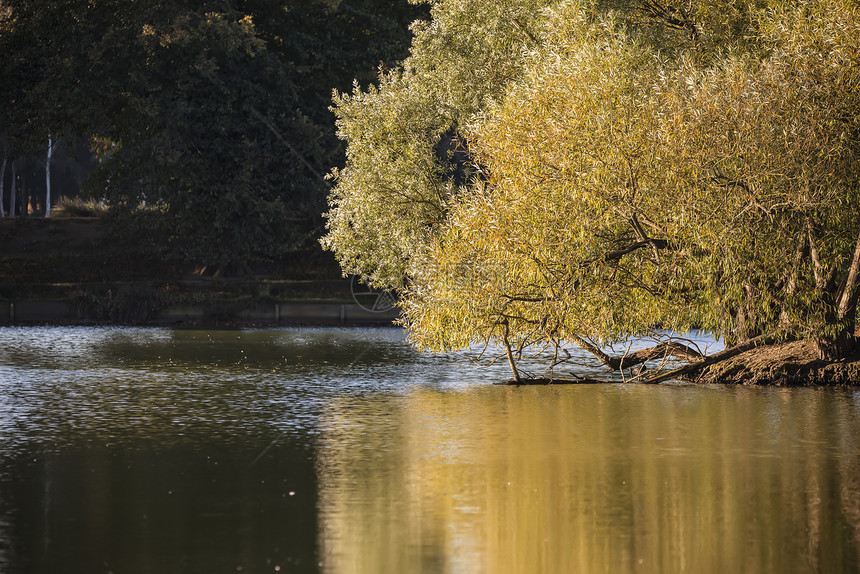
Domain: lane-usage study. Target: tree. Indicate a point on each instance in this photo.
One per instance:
(212, 113)
(210, 140)
(55, 82)
(651, 166)
(394, 191)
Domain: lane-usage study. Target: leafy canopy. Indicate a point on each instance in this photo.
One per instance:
(211, 114)
(638, 165)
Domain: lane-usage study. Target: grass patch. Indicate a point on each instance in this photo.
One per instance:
(78, 207)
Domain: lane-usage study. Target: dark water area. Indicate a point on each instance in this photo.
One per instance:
(141, 450)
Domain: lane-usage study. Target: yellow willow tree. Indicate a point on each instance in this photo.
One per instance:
(407, 140)
(404, 138)
(631, 186)
(563, 242)
(636, 165)
(767, 153)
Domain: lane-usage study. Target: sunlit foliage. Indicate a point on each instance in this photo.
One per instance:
(644, 166)
(396, 187)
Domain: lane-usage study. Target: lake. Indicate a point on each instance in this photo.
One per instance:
(155, 450)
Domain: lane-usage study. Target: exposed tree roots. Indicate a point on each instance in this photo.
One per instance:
(758, 362)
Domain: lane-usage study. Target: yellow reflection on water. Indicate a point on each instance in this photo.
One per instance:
(591, 479)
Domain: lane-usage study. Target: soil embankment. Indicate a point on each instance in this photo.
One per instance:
(793, 363)
(787, 364)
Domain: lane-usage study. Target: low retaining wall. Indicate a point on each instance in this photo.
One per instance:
(13, 312)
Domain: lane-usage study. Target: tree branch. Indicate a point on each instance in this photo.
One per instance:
(619, 253)
(707, 361)
(848, 302)
(672, 17)
(288, 145)
(595, 350)
(511, 362)
(817, 268)
(662, 350)
(641, 236)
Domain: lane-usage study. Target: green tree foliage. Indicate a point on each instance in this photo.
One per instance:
(212, 141)
(644, 165)
(210, 117)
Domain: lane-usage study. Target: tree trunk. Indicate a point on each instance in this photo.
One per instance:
(817, 268)
(13, 190)
(691, 368)
(660, 351)
(845, 342)
(2, 185)
(48, 177)
(25, 197)
(506, 342)
(794, 275)
(838, 347)
(847, 310)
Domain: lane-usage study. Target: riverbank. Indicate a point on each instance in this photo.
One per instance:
(73, 271)
(793, 363)
(212, 313)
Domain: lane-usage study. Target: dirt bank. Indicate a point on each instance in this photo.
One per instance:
(786, 364)
(793, 363)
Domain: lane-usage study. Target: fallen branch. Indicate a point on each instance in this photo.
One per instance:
(670, 348)
(707, 361)
(661, 351)
(547, 381)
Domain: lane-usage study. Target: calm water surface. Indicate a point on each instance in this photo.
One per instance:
(145, 450)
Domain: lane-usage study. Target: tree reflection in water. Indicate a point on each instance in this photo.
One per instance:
(592, 479)
(344, 451)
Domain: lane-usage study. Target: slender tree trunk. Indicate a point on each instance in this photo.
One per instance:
(817, 268)
(742, 331)
(791, 284)
(2, 185)
(48, 177)
(25, 198)
(13, 190)
(847, 309)
(746, 327)
(844, 342)
(509, 352)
